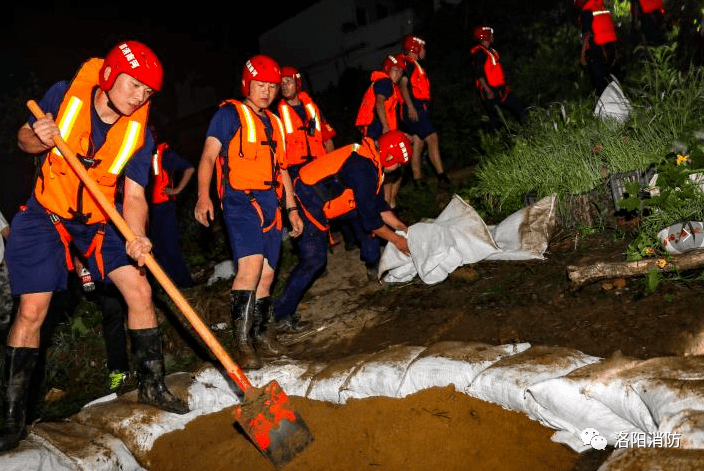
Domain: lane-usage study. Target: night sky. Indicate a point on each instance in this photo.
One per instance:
(202, 38)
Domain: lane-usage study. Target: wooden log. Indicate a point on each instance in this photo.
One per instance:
(582, 275)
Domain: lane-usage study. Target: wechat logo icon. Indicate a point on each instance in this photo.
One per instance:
(590, 436)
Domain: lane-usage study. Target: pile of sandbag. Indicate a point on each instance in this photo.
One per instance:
(459, 236)
(563, 389)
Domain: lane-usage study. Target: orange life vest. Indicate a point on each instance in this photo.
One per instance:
(328, 166)
(304, 141)
(59, 189)
(365, 115)
(493, 71)
(161, 180)
(253, 160)
(603, 27)
(420, 84)
(649, 6)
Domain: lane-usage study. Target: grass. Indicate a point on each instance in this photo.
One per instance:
(566, 149)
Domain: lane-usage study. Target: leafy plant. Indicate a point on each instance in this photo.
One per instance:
(651, 281)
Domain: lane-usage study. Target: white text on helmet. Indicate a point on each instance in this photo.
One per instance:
(402, 146)
(251, 69)
(127, 52)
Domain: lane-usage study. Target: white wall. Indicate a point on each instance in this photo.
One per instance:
(315, 42)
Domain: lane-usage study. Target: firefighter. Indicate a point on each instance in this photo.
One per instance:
(490, 79)
(379, 111)
(102, 115)
(599, 38)
(308, 134)
(345, 184)
(163, 225)
(246, 145)
(415, 89)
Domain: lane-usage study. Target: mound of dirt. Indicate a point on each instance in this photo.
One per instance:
(436, 428)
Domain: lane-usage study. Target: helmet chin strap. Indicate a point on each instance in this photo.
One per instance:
(111, 104)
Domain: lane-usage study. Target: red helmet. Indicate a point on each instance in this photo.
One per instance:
(288, 71)
(262, 68)
(482, 33)
(394, 148)
(413, 44)
(134, 59)
(397, 60)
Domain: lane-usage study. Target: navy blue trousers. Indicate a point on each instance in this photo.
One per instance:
(164, 234)
(312, 248)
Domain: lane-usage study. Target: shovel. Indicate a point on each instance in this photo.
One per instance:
(265, 414)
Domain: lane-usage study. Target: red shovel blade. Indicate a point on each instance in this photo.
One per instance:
(268, 419)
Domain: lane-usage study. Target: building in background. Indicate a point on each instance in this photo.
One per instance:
(333, 35)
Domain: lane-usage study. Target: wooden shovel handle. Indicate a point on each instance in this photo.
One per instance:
(234, 371)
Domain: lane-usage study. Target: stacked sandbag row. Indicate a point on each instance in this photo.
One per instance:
(562, 388)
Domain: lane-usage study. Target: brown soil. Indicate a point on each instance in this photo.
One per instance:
(432, 429)
(491, 302)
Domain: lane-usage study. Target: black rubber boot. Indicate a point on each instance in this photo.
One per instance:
(292, 324)
(242, 312)
(149, 362)
(263, 337)
(19, 366)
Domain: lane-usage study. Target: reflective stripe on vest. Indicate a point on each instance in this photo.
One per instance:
(128, 147)
(68, 119)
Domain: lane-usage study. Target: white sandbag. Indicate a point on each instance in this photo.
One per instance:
(292, 375)
(682, 237)
(613, 103)
(395, 266)
(211, 391)
(32, 454)
(525, 234)
(450, 362)
(88, 448)
(611, 383)
(668, 385)
(326, 384)
(459, 236)
(505, 382)
(222, 271)
(579, 400)
(673, 390)
(139, 425)
(653, 459)
(456, 237)
(685, 429)
(380, 375)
